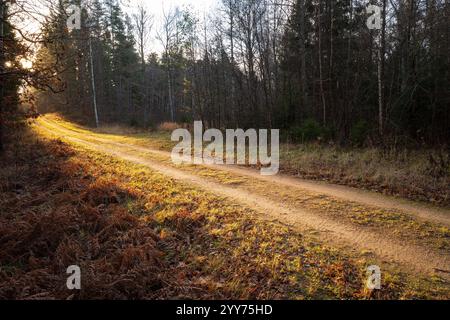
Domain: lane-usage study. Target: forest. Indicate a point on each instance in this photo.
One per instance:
(91, 91)
(312, 68)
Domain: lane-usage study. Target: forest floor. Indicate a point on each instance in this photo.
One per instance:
(145, 228)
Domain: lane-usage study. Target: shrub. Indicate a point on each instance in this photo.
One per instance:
(309, 130)
(359, 133)
(133, 123)
(151, 126)
(168, 126)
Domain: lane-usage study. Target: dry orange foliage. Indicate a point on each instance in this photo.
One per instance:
(53, 215)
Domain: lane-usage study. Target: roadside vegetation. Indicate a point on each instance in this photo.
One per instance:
(137, 234)
(394, 223)
(414, 173)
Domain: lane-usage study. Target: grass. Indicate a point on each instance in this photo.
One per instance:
(137, 234)
(394, 223)
(406, 173)
(391, 222)
(422, 175)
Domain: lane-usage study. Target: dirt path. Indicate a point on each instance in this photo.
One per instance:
(413, 257)
(420, 210)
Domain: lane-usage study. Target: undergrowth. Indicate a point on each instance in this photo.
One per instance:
(416, 174)
(138, 235)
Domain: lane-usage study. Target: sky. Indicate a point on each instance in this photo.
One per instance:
(156, 7)
(31, 25)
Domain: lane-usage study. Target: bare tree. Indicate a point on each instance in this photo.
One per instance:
(168, 36)
(320, 53)
(381, 63)
(143, 22)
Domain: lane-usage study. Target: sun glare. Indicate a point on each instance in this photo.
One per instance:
(26, 64)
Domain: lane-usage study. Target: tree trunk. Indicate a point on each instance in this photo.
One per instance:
(322, 91)
(303, 54)
(381, 85)
(94, 93)
(2, 55)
